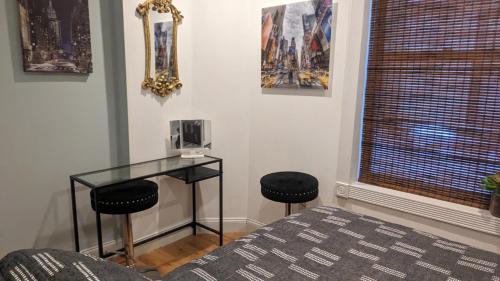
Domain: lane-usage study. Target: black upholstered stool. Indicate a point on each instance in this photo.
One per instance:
(289, 187)
(126, 199)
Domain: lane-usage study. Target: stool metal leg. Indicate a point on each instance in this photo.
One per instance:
(99, 234)
(194, 209)
(128, 240)
(288, 209)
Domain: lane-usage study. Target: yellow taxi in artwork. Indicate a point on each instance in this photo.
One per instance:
(323, 79)
(305, 78)
(267, 81)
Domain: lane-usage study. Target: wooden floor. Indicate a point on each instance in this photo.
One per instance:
(169, 257)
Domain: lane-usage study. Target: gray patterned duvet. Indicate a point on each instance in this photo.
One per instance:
(330, 244)
(319, 244)
(57, 265)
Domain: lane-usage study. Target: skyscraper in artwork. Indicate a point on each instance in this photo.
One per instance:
(54, 28)
(80, 35)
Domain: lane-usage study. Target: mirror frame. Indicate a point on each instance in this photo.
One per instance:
(161, 84)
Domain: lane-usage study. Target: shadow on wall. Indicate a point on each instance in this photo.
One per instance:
(270, 211)
(175, 195)
(16, 53)
(114, 68)
(160, 100)
(55, 228)
(114, 71)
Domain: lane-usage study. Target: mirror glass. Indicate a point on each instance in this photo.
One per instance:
(161, 34)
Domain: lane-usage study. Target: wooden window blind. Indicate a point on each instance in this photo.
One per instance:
(432, 101)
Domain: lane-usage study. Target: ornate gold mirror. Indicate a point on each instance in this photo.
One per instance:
(160, 19)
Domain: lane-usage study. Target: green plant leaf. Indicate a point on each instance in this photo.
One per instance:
(492, 182)
(490, 187)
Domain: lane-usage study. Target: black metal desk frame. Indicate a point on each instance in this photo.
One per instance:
(189, 174)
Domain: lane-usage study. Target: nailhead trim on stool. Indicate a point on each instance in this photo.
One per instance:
(289, 187)
(127, 198)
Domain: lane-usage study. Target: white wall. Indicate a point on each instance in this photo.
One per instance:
(260, 132)
(257, 133)
(287, 132)
(149, 116)
(295, 132)
(223, 86)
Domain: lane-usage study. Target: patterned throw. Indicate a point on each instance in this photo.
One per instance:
(56, 265)
(322, 243)
(326, 243)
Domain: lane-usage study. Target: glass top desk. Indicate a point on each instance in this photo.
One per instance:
(190, 171)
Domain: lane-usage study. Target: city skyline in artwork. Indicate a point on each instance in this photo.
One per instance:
(295, 45)
(163, 47)
(55, 36)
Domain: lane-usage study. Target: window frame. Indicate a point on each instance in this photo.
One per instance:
(347, 188)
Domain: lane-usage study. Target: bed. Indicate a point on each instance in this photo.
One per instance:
(323, 243)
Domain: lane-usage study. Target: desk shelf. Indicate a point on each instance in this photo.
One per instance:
(195, 174)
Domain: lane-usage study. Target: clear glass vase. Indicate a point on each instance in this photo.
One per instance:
(495, 205)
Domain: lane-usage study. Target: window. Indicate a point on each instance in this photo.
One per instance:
(432, 104)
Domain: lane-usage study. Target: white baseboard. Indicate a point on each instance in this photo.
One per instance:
(234, 224)
(230, 225)
(255, 224)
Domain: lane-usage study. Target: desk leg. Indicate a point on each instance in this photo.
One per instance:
(99, 227)
(75, 218)
(221, 221)
(194, 208)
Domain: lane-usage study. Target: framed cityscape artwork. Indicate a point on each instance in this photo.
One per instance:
(295, 45)
(55, 36)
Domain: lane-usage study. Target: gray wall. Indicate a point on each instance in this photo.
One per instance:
(54, 125)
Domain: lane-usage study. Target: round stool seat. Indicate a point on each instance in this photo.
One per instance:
(289, 187)
(126, 198)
